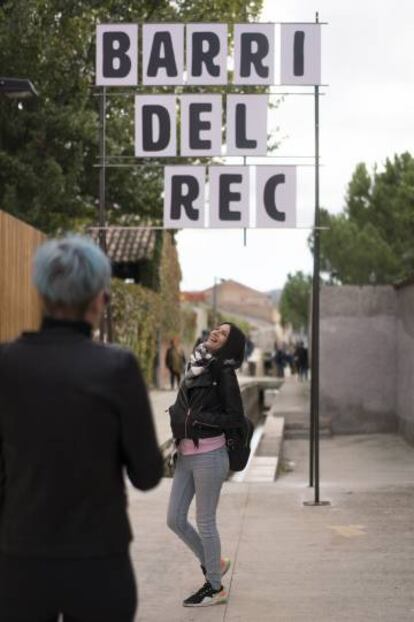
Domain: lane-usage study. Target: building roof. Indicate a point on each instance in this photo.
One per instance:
(128, 245)
(194, 296)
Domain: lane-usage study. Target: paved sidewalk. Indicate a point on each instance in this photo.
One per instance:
(350, 562)
(160, 401)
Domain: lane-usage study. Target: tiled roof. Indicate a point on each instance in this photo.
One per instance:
(193, 297)
(128, 245)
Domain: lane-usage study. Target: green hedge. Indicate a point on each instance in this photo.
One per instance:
(137, 322)
(141, 316)
(188, 325)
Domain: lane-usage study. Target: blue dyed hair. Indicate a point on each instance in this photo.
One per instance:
(70, 271)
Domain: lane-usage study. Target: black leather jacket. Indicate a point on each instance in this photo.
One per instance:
(207, 405)
(73, 415)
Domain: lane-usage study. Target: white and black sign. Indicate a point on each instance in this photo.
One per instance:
(196, 54)
(184, 197)
(254, 46)
(207, 54)
(163, 54)
(204, 46)
(275, 196)
(229, 196)
(246, 128)
(155, 126)
(117, 55)
(301, 54)
(201, 124)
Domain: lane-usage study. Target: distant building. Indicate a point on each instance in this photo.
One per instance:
(234, 297)
(193, 297)
(244, 303)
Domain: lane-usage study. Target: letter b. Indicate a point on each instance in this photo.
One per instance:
(116, 54)
(116, 62)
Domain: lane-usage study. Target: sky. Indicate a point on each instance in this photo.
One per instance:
(366, 115)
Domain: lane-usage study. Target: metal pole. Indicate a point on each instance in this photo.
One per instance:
(314, 406)
(102, 171)
(215, 302)
(246, 19)
(315, 305)
(102, 200)
(315, 308)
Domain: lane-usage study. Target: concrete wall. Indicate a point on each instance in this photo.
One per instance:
(252, 402)
(405, 370)
(359, 358)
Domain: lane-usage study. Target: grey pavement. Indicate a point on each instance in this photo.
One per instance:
(160, 401)
(351, 561)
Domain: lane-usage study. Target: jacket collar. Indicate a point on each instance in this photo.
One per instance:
(52, 330)
(51, 324)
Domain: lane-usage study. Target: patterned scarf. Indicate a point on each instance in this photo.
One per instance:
(200, 359)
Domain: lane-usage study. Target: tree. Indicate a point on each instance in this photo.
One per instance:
(294, 301)
(371, 240)
(49, 146)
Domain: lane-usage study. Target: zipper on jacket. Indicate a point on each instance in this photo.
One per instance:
(186, 420)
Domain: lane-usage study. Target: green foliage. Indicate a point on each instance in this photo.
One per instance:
(137, 322)
(49, 145)
(188, 325)
(142, 316)
(294, 301)
(170, 277)
(371, 241)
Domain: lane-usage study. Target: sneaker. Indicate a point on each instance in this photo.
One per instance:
(225, 563)
(206, 596)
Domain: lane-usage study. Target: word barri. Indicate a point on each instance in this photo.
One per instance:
(205, 48)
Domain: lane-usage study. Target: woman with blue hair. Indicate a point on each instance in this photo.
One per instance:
(74, 414)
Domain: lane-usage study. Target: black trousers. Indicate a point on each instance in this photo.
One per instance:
(83, 590)
(174, 376)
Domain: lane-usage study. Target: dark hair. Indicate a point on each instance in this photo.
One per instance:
(233, 349)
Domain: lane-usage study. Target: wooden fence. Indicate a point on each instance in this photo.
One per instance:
(19, 303)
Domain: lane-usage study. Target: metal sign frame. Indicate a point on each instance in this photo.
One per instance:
(106, 326)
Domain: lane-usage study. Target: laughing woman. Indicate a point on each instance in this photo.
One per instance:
(208, 403)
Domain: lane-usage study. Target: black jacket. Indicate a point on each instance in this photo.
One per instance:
(207, 405)
(73, 414)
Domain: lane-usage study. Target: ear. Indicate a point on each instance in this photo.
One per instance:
(95, 309)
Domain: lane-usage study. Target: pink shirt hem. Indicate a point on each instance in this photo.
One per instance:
(186, 446)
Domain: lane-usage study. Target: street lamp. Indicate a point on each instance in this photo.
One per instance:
(17, 88)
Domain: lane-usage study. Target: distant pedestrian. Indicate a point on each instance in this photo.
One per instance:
(74, 414)
(290, 360)
(175, 362)
(208, 404)
(280, 362)
(302, 361)
(249, 348)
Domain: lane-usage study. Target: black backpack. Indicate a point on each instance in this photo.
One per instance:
(238, 445)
